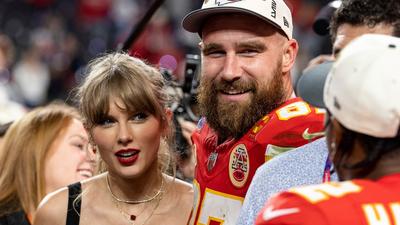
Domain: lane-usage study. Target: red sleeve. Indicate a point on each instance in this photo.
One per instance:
(289, 209)
(293, 124)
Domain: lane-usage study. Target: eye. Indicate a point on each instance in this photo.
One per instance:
(106, 122)
(140, 116)
(249, 52)
(79, 145)
(213, 52)
(216, 54)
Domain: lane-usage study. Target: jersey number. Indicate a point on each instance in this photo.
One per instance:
(293, 110)
(318, 193)
(217, 208)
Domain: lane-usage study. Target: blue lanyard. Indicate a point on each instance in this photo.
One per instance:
(327, 170)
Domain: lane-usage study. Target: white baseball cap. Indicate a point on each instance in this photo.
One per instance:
(362, 91)
(275, 12)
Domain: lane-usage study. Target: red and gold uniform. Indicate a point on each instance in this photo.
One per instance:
(353, 202)
(223, 172)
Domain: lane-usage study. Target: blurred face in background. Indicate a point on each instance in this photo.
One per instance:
(347, 32)
(69, 159)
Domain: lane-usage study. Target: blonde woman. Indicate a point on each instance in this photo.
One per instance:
(43, 151)
(124, 101)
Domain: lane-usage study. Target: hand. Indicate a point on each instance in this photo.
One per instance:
(318, 60)
(187, 167)
(187, 129)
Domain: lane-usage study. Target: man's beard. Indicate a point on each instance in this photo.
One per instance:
(234, 119)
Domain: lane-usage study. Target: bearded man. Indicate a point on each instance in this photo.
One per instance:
(250, 112)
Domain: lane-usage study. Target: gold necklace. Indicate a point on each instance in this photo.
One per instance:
(134, 201)
(131, 218)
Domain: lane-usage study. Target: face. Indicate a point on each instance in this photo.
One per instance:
(68, 160)
(242, 72)
(346, 33)
(128, 142)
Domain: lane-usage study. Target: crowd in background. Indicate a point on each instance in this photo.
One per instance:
(54, 39)
(68, 94)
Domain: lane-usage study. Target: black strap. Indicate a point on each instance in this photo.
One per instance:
(74, 206)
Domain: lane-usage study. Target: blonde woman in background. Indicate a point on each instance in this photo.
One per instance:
(43, 151)
(124, 103)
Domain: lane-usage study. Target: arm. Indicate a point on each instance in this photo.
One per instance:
(284, 171)
(53, 209)
(289, 209)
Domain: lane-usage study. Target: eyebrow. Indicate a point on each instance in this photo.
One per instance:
(78, 136)
(210, 47)
(249, 44)
(253, 44)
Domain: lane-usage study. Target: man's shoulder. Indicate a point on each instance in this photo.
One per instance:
(296, 109)
(293, 124)
(320, 193)
(328, 203)
(288, 208)
(351, 192)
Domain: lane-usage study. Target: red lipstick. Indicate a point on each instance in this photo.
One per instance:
(127, 157)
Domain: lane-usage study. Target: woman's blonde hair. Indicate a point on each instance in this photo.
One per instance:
(140, 87)
(22, 157)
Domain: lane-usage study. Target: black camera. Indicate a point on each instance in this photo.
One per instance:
(184, 101)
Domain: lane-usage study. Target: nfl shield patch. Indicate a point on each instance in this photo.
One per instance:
(239, 166)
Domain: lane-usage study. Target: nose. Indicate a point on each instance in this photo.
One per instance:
(124, 135)
(232, 69)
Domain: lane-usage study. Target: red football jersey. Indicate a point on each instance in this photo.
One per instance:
(223, 172)
(353, 202)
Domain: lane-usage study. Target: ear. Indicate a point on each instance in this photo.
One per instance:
(169, 114)
(289, 55)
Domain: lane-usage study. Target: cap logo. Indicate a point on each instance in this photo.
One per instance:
(273, 8)
(336, 103)
(285, 22)
(224, 2)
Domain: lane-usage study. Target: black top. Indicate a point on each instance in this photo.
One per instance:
(74, 206)
(15, 218)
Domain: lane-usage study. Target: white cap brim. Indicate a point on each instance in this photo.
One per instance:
(193, 22)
